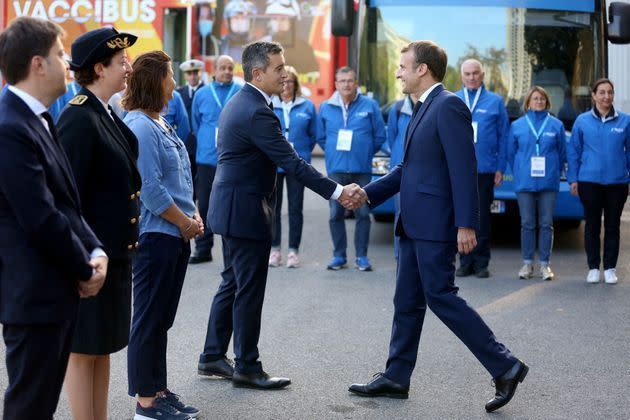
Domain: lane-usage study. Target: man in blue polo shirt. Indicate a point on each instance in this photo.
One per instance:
(491, 127)
(206, 108)
(350, 129)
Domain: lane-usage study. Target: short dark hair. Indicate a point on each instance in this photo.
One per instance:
(345, 69)
(256, 55)
(431, 54)
(22, 40)
(145, 86)
(602, 81)
(85, 76)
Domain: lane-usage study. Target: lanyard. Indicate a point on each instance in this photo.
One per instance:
(216, 98)
(539, 133)
(286, 112)
(477, 95)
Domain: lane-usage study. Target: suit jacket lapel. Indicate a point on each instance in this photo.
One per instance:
(416, 121)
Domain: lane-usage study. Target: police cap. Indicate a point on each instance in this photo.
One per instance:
(96, 45)
(191, 65)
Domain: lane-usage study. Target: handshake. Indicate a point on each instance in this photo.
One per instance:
(352, 197)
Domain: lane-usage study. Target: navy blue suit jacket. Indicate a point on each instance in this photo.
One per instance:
(251, 147)
(45, 243)
(437, 178)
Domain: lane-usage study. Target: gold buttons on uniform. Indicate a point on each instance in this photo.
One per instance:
(132, 196)
(138, 194)
(129, 247)
(136, 245)
(133, 220)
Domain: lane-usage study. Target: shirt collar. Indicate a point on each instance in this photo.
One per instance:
(427, 92)
(34, 105)
(267, 98)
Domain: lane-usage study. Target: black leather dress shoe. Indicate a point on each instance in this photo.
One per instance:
(197, 259)
(380, 386)
(464, 271)
(258, 381)
(222, 367)
(482, 273)
(506, 386)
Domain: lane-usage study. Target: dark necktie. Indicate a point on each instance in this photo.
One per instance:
(416, 108)
(270, 105)
(51, 127)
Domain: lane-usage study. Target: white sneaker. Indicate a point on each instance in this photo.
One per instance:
(593, 276)
(526, 271)
(293, 260)
(610, 276)
(545, 272)
(275, 258)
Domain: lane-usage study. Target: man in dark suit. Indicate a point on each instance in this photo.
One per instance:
(49, 256)
(251, 147)
(192, 73)
(439, 210)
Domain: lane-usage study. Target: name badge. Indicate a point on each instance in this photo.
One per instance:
(216, 136)
(344, 140)
(538, 167)
(475, 126)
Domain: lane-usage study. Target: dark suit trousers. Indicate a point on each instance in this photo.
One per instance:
(238, 303)
(36, 357)
(480, 257)
(425, 278)
(158, 277)
(203, 188)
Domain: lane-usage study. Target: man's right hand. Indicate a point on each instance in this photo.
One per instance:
(353, 197)
(92, 286)
(573, 188)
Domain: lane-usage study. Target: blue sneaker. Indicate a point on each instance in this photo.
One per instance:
(363, 264)
(173, 400)
(161, 410)
(337, 263)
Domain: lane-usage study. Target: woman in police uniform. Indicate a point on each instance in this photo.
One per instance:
(102, 152)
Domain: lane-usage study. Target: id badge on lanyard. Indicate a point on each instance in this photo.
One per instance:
(344, 140)
(216, 136)
(538, 169)
(475, 124)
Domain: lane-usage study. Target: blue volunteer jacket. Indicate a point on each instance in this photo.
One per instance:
(397, 121)
(55, 109)
(366, 122)
(599, 151)
(493, 126)
(302, 132)
(175, 114)
(522, 147)
(205, 118)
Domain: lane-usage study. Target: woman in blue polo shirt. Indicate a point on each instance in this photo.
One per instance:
(599, 163)
(537, 152)
(298, 120)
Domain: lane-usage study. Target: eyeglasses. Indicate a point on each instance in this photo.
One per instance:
(345, 81)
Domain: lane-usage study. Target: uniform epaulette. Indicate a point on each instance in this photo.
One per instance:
(78, 100)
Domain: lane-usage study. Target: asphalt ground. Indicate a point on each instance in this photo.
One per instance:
(326, 330)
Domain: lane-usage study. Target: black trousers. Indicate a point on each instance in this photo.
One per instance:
(158, 277)
(609, 199)
(480, 256)
(203, 188)
(237, 305)
(36, 358)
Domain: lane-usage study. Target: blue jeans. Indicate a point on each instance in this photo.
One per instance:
(337, 222)
(528, 204)
(295, 196)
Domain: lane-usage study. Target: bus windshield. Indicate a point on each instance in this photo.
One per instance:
(556, 49)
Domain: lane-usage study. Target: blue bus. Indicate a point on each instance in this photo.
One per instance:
(558, 44)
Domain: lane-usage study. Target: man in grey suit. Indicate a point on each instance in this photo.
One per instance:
(251, 146)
